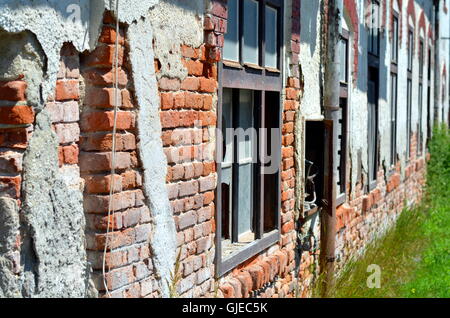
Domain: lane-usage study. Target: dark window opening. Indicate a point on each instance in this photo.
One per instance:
(394, 88)
(394, 40)
(249, 196)
(374, 28)
(315, 165)
(408, 117)
(372, 96)
(342, 122)
(409, 93)
(393, 118)
(421, 65)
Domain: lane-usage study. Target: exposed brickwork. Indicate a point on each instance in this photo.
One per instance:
(411, 11)
(188, 120)
(15, 131)
(295, 38)
(81, 111)
(272, 272)
(368, 215)
(128, 260)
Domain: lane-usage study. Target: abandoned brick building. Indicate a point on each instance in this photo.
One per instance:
(116, 179)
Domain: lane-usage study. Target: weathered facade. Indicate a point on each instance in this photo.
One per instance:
(118, 175)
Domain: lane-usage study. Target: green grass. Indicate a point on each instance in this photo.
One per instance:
(414, 256)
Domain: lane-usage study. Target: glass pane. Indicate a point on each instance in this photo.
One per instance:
(343, 60)
(227, 124)
(231, 46)
(376, 23)
(393, 117)
(421, 57)
(251, 40)
(395, 40)
(227, 176)
(245, 119)
(271, 37)
(245, 186)
(410, 50)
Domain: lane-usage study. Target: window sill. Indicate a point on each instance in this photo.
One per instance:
(232, 64)
(224, 265)
(254, 66)
(273, 70)
(372, 185)
(340, 199)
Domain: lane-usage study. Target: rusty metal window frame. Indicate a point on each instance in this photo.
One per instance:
(262, 81)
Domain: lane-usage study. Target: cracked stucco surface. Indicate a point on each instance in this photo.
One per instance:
(182, 23)
(61, 241)
(154, 162)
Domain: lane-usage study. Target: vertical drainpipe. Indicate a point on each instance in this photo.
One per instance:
(437, 64)
(331, 107)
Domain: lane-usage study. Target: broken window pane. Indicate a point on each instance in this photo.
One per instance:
(251, 40)
(271, 37)
(231, 46)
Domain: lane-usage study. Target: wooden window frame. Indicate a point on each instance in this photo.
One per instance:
(429, 97)
(343, 92)
(394, 99)
(409, 88)
(395, 38)
(374, 63)
(239, 76)
(420, 99)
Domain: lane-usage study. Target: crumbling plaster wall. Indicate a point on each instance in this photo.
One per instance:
(79, 22)
(148, 40)
(310, 59)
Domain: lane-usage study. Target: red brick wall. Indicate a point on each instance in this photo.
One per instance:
(367, 215)
(128, 260)
(17, 115)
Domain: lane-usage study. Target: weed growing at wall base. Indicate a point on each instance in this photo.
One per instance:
(414, 256)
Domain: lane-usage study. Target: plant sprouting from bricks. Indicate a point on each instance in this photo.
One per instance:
(175, 277)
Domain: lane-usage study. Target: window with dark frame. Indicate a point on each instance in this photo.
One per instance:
(409, 92)
(419, 130)
(394, 88)
(373, 92)
(394, 39)
(249, 198)
(429, 95)
(341, 149)
(374, 28)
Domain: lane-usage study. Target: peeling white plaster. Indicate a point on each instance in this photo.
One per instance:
(53, 22)
(154, 161)
(310, 60)
(175, 23)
